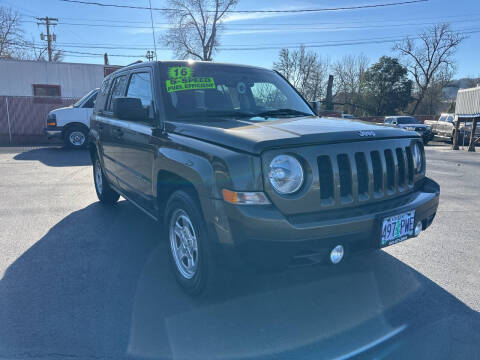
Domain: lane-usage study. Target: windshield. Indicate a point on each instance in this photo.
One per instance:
(208, 91)
(79, 102)
(407, 120)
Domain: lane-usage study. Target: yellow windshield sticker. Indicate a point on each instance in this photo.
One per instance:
(193, 83)
(181, 78)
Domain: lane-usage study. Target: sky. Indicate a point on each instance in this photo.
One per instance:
(333, 34)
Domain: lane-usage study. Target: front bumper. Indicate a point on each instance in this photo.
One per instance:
(53, 131)
(263, 236)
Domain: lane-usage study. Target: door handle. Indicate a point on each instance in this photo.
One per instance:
(118, 132)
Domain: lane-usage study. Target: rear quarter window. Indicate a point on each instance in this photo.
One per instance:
(102, 95)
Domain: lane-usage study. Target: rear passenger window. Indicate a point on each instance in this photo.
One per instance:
(118, 89)
(442, 118)
(450, 119)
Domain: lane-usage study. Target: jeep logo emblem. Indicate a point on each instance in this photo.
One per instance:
(366, 133)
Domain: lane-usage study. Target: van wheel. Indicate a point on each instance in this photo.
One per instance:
(76, 137)
(190, 251)
(104, 192)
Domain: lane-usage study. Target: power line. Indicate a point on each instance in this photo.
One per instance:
(350, 42)
(298, 26)
(228, 23)
(357, 7)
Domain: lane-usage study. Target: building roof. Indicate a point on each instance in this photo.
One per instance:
(468, 102)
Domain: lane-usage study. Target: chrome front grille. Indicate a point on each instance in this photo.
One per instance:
(363, 176)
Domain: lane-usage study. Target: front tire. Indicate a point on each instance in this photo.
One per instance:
(190, 250)
(76, 137)
(104, 192)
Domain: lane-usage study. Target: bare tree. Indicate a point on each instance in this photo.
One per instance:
(305, 70)
(349, 81)
(196, 25)
(430, 58)
(11, 33)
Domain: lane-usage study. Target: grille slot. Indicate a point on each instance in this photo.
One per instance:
(345, 174)
(362, 173)
(408, 151)
(325, 172)
(401, 167)
(377, 171)
(390, 170)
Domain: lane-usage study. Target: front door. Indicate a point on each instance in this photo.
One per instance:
(134, 137)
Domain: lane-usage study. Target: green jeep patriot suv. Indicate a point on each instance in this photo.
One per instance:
(239, 170)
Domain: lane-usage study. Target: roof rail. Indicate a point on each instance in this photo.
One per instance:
(135, 62)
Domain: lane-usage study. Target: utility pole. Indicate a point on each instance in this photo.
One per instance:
(329, 98)
(47, 21)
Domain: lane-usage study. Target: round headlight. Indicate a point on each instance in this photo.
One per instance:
(417, 157)
(285, 174)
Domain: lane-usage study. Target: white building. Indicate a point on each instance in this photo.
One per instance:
(57, 79)
(30, 89)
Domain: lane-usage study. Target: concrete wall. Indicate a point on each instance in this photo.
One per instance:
(18, 76)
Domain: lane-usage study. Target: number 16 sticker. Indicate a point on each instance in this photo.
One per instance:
(179, 72)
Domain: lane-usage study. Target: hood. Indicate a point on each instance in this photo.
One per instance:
(256, 137)
(60, 109)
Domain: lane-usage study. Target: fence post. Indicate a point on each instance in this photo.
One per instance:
(8, 120)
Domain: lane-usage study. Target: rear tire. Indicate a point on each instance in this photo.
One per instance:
(191, 255)
(105, 193)
(76, 137)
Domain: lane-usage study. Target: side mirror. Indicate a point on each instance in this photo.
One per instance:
(129, 108)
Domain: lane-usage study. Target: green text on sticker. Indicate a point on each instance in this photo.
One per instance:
(176, 72)
(194, 83)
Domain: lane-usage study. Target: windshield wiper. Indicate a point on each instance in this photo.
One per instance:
(283, 112)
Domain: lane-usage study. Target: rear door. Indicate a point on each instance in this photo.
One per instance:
(112, 148)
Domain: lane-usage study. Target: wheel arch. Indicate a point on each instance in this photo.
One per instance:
(71, 124)
(167, 183)
(92, 150)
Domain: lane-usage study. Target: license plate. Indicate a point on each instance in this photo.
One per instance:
(397, 228)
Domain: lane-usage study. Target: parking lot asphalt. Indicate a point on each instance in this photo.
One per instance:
(86, 281)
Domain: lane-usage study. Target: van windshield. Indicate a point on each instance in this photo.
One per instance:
(79, 102)
(407, 120)
(210, 91)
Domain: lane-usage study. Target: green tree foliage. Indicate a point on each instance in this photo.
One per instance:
(387, 89)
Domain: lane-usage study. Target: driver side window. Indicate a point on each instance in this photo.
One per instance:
(140, 87)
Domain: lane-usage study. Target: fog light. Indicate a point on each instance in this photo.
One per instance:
(336, 255)
(418, 228)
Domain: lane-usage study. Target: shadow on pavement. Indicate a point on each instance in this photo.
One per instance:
(56, 156)
(98, 284)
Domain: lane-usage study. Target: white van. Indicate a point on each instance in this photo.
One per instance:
(72, 123)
